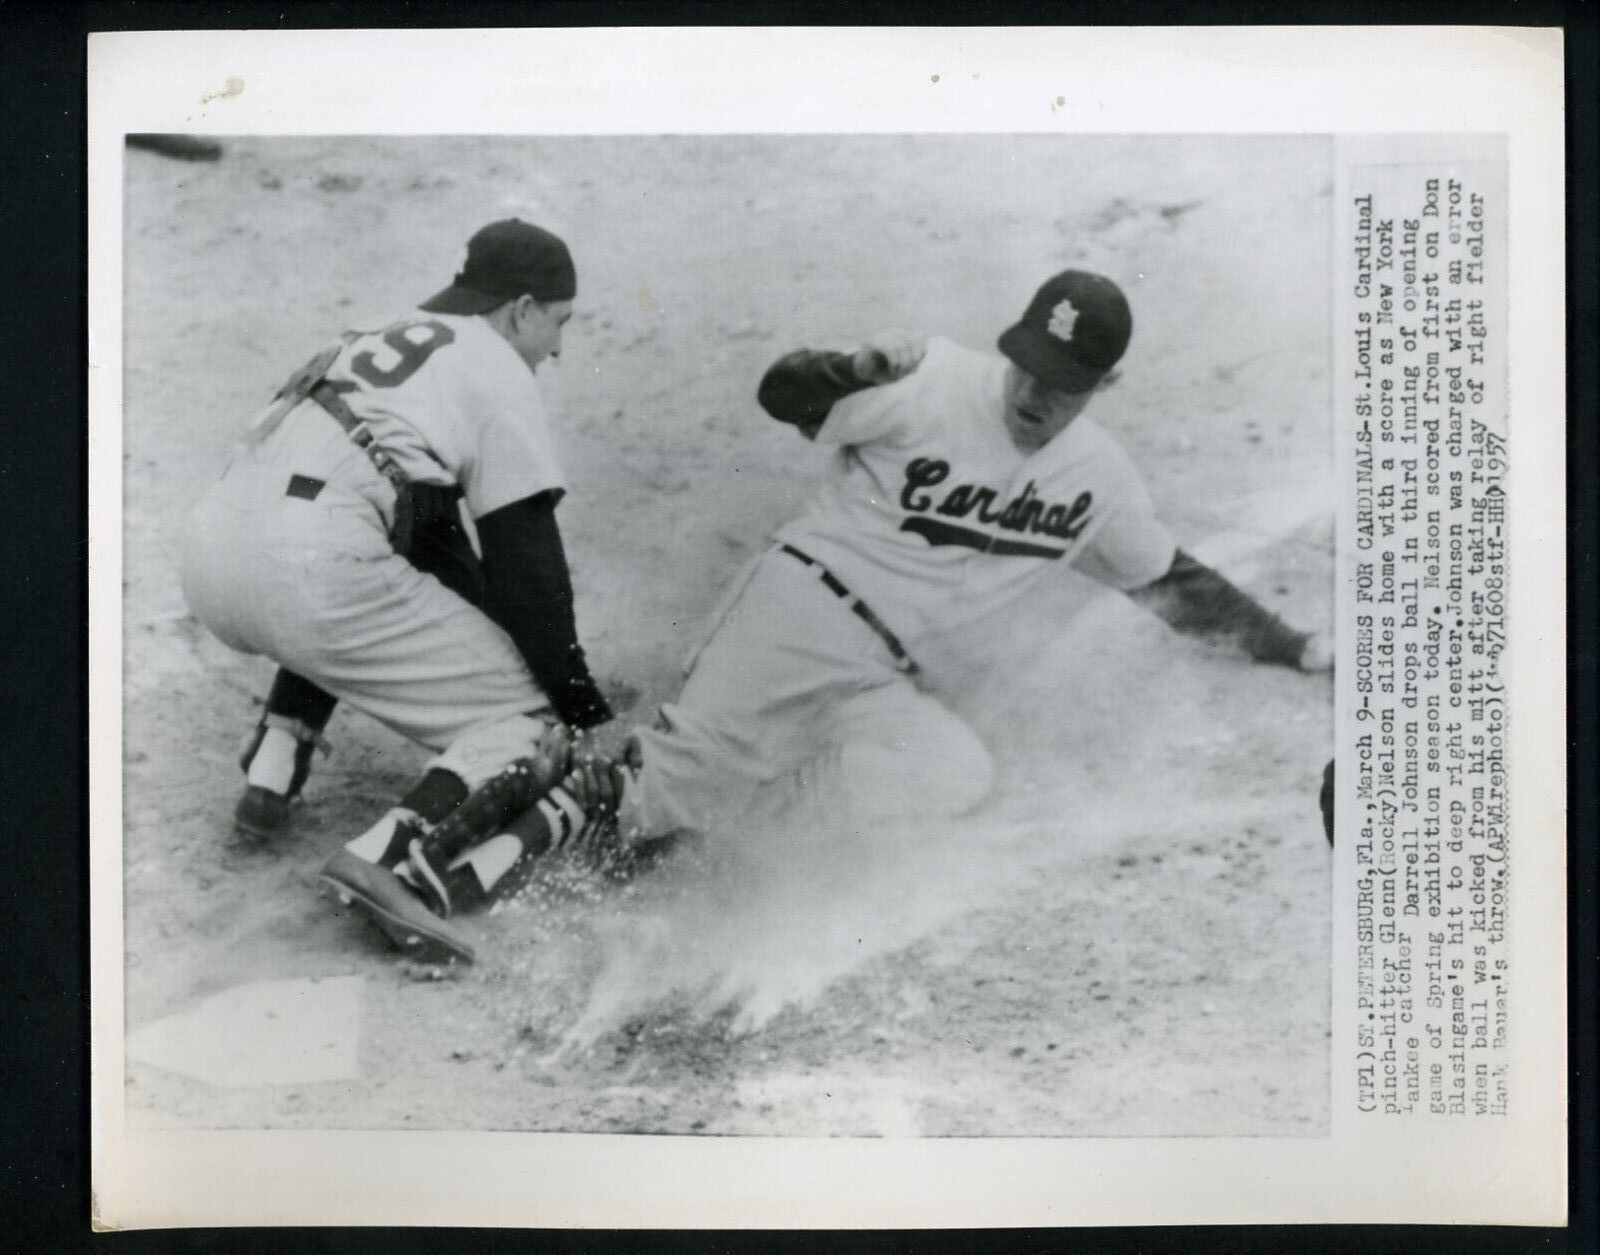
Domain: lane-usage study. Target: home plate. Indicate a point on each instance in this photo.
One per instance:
(274, 1032)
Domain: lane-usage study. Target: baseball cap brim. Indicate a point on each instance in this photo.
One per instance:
(1047, 359)
(459, 299)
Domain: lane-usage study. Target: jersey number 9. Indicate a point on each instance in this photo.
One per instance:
(412, 344)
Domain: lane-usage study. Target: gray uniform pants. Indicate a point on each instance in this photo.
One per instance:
(316, 586)
(794, 701)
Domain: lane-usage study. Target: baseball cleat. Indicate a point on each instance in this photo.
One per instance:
(261, 813)
(386, 900)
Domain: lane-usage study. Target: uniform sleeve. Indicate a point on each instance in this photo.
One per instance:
(803, 387)
(515, 457)
(1132, 547)
(819, 393)
(878, 413)
(1198, 601)
(528, 592)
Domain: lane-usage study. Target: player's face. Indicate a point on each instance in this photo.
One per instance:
(536, 329)
(1036, 413)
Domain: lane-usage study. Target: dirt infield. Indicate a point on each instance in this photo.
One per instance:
(1131, 937)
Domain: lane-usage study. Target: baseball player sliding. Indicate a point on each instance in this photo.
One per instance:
(333, 545)
(961, 480)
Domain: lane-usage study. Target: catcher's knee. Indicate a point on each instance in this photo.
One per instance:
(484, 751)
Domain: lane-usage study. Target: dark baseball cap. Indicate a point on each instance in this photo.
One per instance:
(1074, 330)
(505, 260)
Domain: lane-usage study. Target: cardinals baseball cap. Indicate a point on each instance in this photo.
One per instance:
(504, 260)
(1074, 330)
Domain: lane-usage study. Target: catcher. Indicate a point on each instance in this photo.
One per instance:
(333, 545)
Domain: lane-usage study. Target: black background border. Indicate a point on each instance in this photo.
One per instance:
(44, 1154)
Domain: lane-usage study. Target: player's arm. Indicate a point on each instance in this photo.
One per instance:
(801, 388)
(528, 592)
(1198, 601)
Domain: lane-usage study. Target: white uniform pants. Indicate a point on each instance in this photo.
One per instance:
(315, 586)
(794, 700)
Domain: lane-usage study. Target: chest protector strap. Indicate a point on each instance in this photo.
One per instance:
(310, 382)
(401, 530)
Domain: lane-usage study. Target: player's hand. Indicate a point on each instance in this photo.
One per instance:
(888, 356)
(554, 751)
(1317, 655)
(594, 787)
(591, 746)
(592, 775)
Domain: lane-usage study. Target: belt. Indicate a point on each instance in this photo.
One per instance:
(859, 608)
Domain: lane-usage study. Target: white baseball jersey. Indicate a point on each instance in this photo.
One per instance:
(303, 572)
(448, 399)
(933, 516)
